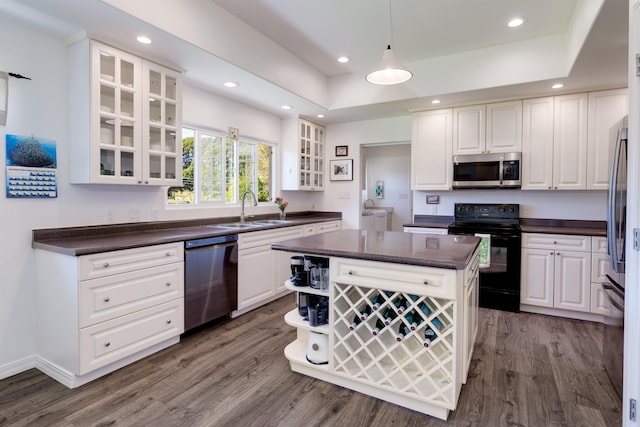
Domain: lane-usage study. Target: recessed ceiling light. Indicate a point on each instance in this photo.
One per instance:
(320, 116)
(343, 59)
(286, 107)
(557, 86)
(515, 22)
(144, 39)
(435, 101)
(230, 84)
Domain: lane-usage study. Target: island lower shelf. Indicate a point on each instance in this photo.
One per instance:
(379, 316)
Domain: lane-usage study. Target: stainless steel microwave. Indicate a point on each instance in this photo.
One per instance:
(495, 170)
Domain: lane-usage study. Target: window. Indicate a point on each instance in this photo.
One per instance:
(218, 170)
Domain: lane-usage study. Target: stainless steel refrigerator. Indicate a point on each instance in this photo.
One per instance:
(613, 348)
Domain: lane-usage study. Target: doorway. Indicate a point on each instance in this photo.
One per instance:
(386, 180)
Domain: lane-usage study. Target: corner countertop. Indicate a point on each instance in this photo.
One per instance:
(76, 241)
(439, 251)
(527, 225)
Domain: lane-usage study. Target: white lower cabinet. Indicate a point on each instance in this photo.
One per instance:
(263, 271)
(600, 266)
(558, 273)
(99, 312)
(385, 354)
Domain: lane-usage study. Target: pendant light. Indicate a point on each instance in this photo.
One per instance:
(389, 71)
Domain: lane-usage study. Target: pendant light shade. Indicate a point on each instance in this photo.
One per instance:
(389, 71)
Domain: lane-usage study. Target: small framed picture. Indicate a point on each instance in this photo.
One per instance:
(342, 150)
(341, 170)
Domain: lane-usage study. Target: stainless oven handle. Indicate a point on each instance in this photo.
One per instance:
(610, 287)
(607, 287)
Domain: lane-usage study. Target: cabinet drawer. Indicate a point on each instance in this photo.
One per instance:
(115, 339)
(599, 244)
(115, 262)
(396, 277)
(325, 227)
(109, 297)
(556, 242)
(267, 237)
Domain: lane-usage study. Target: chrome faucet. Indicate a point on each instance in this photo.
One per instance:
(369, 200)
(255, 203)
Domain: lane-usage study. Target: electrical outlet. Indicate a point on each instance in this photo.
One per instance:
(109, 215)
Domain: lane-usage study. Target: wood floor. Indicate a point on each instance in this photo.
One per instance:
(527, 370)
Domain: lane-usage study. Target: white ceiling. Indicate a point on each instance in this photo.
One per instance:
(284, 51)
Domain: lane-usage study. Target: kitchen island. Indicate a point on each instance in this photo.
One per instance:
(402, 316)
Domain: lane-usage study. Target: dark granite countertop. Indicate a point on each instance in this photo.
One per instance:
(563, 226)
(451, 252)
(527, 225)
(78, 241)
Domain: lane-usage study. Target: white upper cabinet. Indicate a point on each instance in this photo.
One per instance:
(504, 127)
(570, 142)
(125, 118)
(469, 129)
(554, 147)
(607, 110)
(491, 128)
(537, 144)
(303, 144)
(431, 159)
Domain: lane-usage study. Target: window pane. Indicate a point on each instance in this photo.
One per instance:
(264, 173)
(211, 166)
(246, 167)
(185, 194)
(230, 188)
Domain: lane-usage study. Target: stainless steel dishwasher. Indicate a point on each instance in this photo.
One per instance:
(211, 279)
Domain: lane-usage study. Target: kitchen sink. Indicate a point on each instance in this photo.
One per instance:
(271, 221)
(237, 225)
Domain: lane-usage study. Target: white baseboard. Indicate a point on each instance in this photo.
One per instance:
(18, 366)
(591, 317)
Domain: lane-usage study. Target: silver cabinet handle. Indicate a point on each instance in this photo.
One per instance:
(107, 299)
(168, 283)
(426, 281)
(139, 182)
(107, 344)
(351, 273)
(168, 322)
(550, 253)
(169, 254)
(105, 265)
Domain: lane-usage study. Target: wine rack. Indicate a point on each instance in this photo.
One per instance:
(404, 364)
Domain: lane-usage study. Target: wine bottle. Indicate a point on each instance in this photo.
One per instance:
(389, 315)
(414, 297)
(379, 326)
(365, 312)
(429, 333)
(376, 301)
(389, 294)
(414, 319)
(356, 322)
(401, 304)
(425, 309)
(403, 331)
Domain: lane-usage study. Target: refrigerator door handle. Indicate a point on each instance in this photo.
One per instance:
(616, 285)
(613, 302)
(611, 214)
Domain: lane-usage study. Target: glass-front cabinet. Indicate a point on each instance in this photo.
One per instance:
(161, 134)
(125, 114)
(303, 155)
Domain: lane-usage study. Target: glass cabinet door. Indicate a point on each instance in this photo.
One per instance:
(118, 115)
(161, 136)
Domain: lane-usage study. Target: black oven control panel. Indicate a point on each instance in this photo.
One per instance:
(481, 212)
